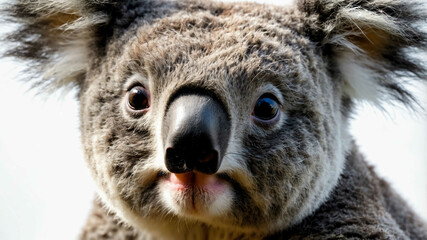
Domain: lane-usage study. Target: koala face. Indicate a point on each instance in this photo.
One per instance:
(228, 115)
(232, 84)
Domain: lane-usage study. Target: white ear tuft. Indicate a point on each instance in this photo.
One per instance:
(55, 37)
(357, 75)
(371, 44)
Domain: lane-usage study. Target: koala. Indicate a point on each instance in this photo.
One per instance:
(210, 120)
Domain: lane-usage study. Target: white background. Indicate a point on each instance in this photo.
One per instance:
(46, 191)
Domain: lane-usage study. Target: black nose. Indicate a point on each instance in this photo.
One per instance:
(195, 134)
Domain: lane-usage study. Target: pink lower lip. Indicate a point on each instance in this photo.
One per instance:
(187, 181)
(193, 192)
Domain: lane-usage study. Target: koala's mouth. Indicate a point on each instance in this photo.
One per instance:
(188, 181)
(195, 193)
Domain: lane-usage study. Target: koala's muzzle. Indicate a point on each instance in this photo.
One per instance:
(195, 134)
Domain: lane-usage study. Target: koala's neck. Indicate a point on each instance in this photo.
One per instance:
(104, 225)
(198, 232)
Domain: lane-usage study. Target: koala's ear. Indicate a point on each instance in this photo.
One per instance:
(372, 43)
(56, 37)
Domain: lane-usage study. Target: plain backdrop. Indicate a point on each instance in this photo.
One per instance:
(46, 191)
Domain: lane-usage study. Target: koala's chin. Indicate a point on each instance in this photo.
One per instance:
(196, 195)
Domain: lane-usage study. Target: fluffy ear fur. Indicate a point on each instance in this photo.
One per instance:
(371, 42)
(61, 37)
(56, 36)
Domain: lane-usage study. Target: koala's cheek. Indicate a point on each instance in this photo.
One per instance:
(99, 163)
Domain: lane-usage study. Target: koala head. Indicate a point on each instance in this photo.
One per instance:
(231, 115)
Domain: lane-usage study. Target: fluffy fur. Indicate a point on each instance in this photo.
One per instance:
(300, 178)
(370, 37)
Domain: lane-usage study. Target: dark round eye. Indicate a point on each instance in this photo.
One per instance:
(266, 107)
(138, 98)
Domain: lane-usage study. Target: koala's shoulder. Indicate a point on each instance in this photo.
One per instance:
(363, 206)
(103, 225)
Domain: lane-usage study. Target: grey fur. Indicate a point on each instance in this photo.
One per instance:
(299, 178)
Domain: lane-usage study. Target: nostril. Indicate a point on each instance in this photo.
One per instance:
(207, 161)
(179, 161)
(175, 161)
(208, 156)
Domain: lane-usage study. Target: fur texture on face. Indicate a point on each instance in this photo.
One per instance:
(314, 58)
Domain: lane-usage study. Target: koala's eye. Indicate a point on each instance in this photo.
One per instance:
(138, 98)
(266, 108)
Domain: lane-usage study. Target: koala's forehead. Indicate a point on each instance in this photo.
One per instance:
(238, 41)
